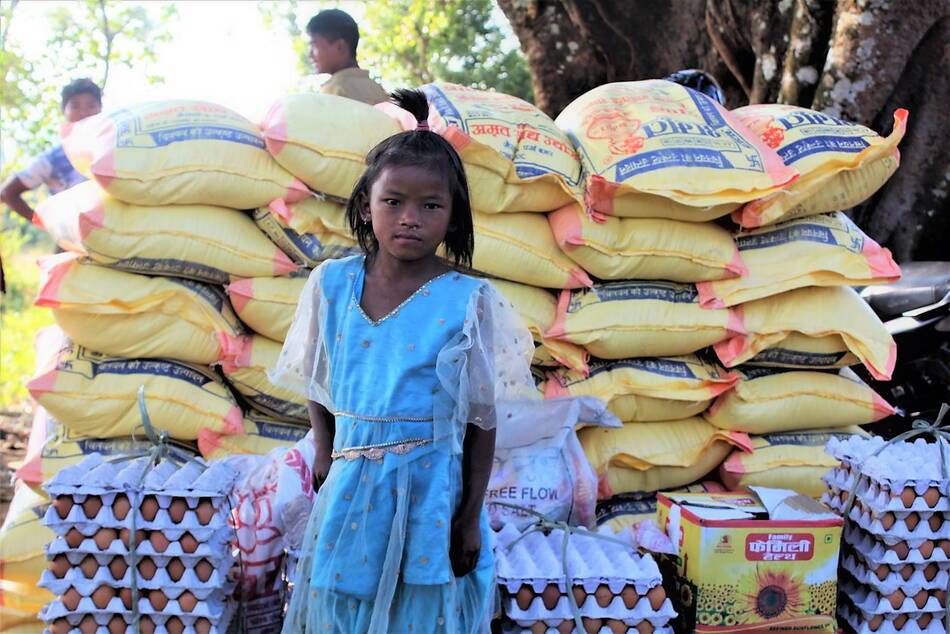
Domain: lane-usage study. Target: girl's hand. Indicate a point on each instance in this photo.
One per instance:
(321, 467)
(465, 545)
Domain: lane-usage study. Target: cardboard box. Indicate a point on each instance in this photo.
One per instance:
(751, 562)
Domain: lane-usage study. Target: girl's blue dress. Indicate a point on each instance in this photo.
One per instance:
(376, 551)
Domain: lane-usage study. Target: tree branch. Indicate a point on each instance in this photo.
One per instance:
(108, 35)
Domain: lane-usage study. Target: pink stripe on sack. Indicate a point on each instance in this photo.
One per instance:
(736, 265)
(885, 373)
(601, 193)
(741, 440)
(720, 388)
(716, 405)
(240, 293)
(733, 464)
(279, 208)
(780, 173)
(603, 487)
(567, 226)
(882, 409)
(736, 321)
(557, 329)
(730, 350)
(707, 296)
(208, 442)
(274, 128)
(103, 161)
(234, 422)
(584, 368)
(578, 278)
(232, 346)
(746, 216)
(880, 261)
(553, 388)
(54, 269)
(31, 470)
(241, 359)
(283, 264)
(456, 138)
(42, 384)
(298, 190)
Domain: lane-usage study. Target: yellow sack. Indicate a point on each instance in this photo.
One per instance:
(516, 158)
(538, 307)
(646, 389)
(247, 374)
(655, 149)
(822, 250)
(809, 353)
(136, 316)
(179, 152)
(655, 456)
(841, 163)
(261, 435)
(267, 304)
(307, 249)
(626, 510)
(314, 214)
(521, 248)
(785, 460)
(646, 248)
(96, 396)
(200, 242)
(323, 139)
(815, 312)
(638, 319)
(23, 560)
(765, 401)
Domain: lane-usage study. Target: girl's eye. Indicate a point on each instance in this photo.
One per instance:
(390, 201)
(433, 206)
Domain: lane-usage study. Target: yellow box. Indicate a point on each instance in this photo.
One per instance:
(737, 570)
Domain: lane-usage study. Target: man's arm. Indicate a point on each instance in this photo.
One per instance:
(12, 195)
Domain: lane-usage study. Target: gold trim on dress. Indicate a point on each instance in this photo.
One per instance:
(377, 452)
(384, 419)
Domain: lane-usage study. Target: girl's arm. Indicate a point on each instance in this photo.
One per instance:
(478, 454)
(323, 424)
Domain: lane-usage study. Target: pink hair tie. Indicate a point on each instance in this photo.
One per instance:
(422, 125)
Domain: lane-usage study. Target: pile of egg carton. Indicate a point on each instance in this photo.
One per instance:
(895, 560)
(616, 590)
(183, 556)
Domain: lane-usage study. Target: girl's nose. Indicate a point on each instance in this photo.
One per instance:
(409, 217)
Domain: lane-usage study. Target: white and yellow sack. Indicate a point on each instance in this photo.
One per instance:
(179, 152)
(646, 248)
(793, 460)
(806, 353)
(538, 308)
(766, 401)
(822, 250)
(96, 396)
(22, 561)
(516, 158)
(655, 456)
(306, 249)
(814, 312)
(136, 316)
(841, 163)
(247, 374)
(314, 214)
(267, 304)
(261, 435)
(638, 319)
(521, 248)
(200, 242)
(323, 139)
(646, 389)
(655, 149)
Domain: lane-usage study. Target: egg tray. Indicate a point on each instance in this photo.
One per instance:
(211, 609)
(877, 553)
(515, 628)
(106, 518)
(854, 564)
(873, 522)
(877, 496)
(161, 580)
(591, 562)
(218, 557)
(86, 586)
(860, 621)
(215, 537)
(641, 611)
(870, 602)
(219, 626)
(898, 465)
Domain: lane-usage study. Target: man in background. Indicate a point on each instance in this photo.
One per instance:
(334, 36)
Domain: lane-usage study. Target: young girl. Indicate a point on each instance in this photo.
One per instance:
(405, 364)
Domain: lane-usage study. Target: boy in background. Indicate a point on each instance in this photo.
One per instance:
(333, 40)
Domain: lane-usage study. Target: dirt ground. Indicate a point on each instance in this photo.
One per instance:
(14, 434)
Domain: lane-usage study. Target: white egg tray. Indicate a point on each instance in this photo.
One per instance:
(859, 622)
(897, 532)
(211, 533)
(877, 496)
(161, 579)
(218, 626)
(105, 518)
(877, 553)
(616, 609)
(591, 562)
(515, 628)
(917, 581)
(870, 602)
(74, 577)
(217, 551)
(915, 463)
(211, 609)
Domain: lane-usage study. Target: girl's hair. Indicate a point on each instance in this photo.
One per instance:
(424, 148)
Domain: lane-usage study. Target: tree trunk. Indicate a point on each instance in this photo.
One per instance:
(857, 59)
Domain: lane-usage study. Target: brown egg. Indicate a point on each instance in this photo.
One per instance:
(616, 627)
(926, 549)
(935, 522)
(63, 504)
(603, 595)
(549, 596)
(882, 571)
(146, 625)
(941, 596)
(60, 566)
(176, 569)
(125, 534)
(102, 596)
(174, 625)
(147, 568)
(204, 569)
(592, 626)
(91, 506)
(580, 595)
(188, 543)
(88, 624)
(149, 507)
(875, 623)
(158, 599)
(71, 598)
(896, 598)
(899, 621)
(104, 538)
(204, 511)
(538, 627)
(117, 567)
(60, 626)
(187, 601)
(906, 572)
(920, 599)
(945, 546)
(117, 625)
(932, 496)
(887, 520)
(566, 627)
(912, 520)
(931, 571)
(901, 548)
(159, 541)
(74, 538)
(202, 626)
(908, 495)
(125, 594)
(645, 627)
(524, 596)
(177, 509)
(121, 506)
(657, 596)
(89, 566)
(924, 620)
(629, 596)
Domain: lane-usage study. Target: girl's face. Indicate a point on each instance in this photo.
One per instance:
(410, 208)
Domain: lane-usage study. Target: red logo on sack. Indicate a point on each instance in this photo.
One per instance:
(779, 547)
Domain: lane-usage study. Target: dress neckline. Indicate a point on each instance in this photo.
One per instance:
(360, 280)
